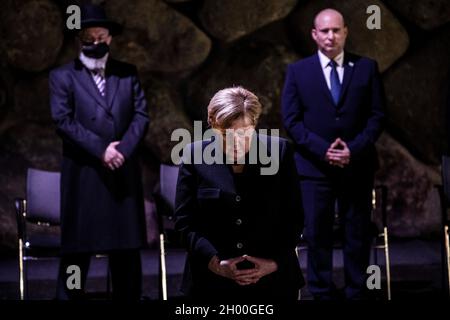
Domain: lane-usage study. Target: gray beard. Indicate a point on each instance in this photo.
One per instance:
(93, 64)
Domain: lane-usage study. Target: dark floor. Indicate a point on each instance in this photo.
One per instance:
(415, 272)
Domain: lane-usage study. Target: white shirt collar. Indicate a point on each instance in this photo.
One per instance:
(324, 60)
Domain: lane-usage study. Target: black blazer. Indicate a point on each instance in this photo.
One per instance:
(313, 121)
(101, 209)
(265, 220)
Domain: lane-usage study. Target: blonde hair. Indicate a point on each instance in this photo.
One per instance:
(230, 104)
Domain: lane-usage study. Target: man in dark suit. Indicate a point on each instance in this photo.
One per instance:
(100, 113)
(332, 107)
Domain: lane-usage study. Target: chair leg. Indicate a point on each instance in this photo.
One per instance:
(388, 262)
(21, 272)
(163, 274)
(447, 256)
(299, 297)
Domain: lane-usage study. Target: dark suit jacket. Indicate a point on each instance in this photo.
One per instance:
(313, 121)
(207, 211)
(100, 209)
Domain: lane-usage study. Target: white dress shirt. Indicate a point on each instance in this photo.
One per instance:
(326, 68)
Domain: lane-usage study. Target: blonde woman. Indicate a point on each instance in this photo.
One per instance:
(240, 226)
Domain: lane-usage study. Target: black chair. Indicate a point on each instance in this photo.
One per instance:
(164, 198)
(444, 193)
(40, 208)
(379, 233)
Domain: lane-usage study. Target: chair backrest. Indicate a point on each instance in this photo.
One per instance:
(168, 183)
(43, 196)
(446, 178)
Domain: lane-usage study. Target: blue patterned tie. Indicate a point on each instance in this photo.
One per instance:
(335, 84)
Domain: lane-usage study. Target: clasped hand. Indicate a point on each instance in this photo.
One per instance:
(112, 158)
(338, 154)
(228, 269)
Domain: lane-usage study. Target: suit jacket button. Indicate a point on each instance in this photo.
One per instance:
(338, 118)
(239, 245)
(238, 198)
(238, 222)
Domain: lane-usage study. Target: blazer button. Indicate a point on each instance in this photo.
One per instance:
(238, 198)
(338, 118)
(238, 222)
(239, 245)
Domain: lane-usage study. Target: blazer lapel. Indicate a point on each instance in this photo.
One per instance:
(112, 81)
(85, 80)
(349, 66)
(225, 175)
(222, 171)
(251, 170)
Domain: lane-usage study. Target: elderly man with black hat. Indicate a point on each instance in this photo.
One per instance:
(100, 113)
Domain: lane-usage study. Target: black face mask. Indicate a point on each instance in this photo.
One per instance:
(95, 51)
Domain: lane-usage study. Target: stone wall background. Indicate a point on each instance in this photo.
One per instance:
(186, 50)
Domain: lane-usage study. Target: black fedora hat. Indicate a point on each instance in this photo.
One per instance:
(95, 16)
